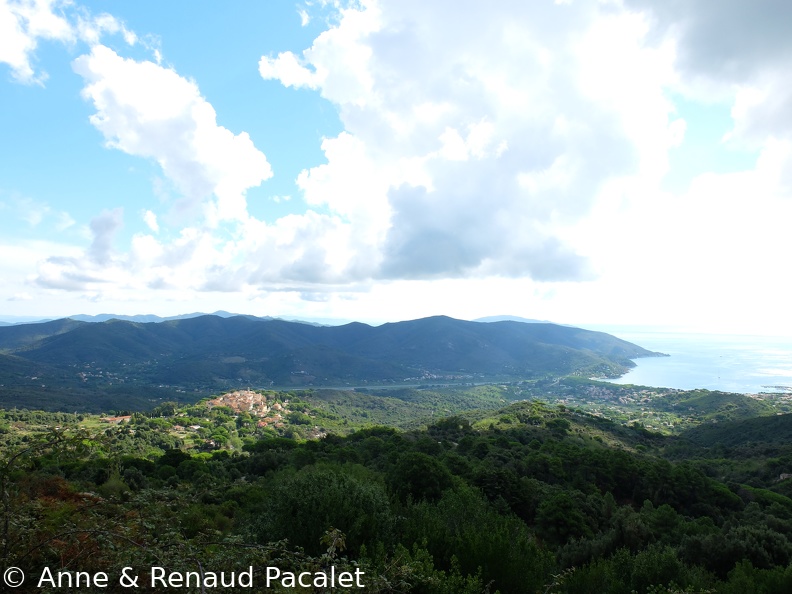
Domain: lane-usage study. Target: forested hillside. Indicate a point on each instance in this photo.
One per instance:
(59, 365)
(530, 498)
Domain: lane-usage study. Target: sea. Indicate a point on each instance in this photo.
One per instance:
(728, 363)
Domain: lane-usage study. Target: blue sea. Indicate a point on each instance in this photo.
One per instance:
(729, 363)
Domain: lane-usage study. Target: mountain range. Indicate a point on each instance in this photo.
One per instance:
(148, 318)
(72, 360)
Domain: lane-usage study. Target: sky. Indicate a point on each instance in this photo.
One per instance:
(600, 162)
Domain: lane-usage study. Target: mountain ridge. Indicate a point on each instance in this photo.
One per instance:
(211, 353)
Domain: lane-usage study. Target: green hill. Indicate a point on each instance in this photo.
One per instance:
(210, 353)
(19, 336)
(768, 430)
(706, 406)
(531, 498)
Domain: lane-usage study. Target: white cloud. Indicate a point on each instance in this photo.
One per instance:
(337, 62)
(288, 70)
(32, 212)
(149, 111)
(305, 18)
(488, 155)
(91, 29)
(20, 258)
(99, 264)
(579, 114)
(732, 52)
(37, 214)
(64, 221)
(727, 40)
(466, 144)
(24, 22)
(104, 229)
(151, 221)
(470, 134)
(363, 203)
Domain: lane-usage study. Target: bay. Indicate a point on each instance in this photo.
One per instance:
(728, 363)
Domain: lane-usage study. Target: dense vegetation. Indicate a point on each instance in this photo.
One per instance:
(531, 497)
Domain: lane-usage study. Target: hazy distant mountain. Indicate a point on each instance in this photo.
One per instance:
(150, 318)
(16, 320)
(212, 353)
(511, 319)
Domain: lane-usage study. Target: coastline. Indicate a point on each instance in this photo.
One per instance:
(727, 363)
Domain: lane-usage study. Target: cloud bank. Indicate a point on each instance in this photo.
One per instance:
(478, 141)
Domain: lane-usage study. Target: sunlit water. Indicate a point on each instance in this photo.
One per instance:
(729, 363)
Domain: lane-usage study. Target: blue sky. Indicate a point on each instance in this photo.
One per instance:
(601, 162)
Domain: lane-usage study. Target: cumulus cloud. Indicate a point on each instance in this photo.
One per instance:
(471, 134)
(470, 137)
(305, 18)
(77, 273)
(104, 229)
(475, 141)
(736, 53)
(24, 22)
(150, 219)
(91, 29)
(727, 40)
(147, 110)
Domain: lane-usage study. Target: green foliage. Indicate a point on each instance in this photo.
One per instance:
(531, 498)
(303, 505)
(418, 476)
(462, 525)
(560, 518)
